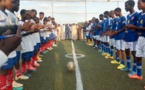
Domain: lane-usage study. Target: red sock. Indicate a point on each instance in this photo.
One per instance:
(34, 59)
(18, 72)
(27, 65)
(3, 82)
(9, 79)
(23, 68)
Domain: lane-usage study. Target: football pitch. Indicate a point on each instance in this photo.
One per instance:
(97, 73)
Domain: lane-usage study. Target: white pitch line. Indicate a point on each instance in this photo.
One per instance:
(79, 84)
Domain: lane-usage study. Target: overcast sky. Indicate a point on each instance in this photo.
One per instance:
(71, 12)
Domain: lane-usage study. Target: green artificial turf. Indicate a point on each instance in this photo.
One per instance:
(96, 71)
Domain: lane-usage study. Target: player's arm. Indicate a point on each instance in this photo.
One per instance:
(133, 27)
(7, 45)
(123, 27)
(98, 26)
(40, 26)
(26, 26)
(117, 32)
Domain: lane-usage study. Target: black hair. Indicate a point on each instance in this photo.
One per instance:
(45, 19)
(53, 18)
(101, 15)
(23, 11)
(112, 11)
(97, 20)
(143, 1)
(36, 18)
(49, 16)
(33, 10)
(41, 13)
(106, 12)
(130, 3)
(118, 9)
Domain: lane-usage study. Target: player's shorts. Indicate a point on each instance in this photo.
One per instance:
(131, 46)
(48, 38)
(39, 45)
(94, 37)
(103, 39)
(26, 56)
(107, 38)
(18, 57)
(42, 39)
(9, 64)
(98, 37)
(140, 47)
(36, 48)
(115, 44)
(52, 36)
(112, 42)
(120, 44)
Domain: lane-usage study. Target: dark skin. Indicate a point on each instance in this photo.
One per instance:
(31, 15)
(15, 41)
(119, 14)
(121, 53)
(36, 26)
(93, 20)
(49, 19)
(7, 47)
(16, 8)
(27, 25)
(112, 15)
(25, 17)
(37, 22)
(6, 4)
(131, 10)
(98, 42)
(99, 27)
(101, 18)
(141, 6)
(105, 33)
(41, 16)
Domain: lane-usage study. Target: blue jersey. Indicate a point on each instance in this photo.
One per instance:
(94, 29)
(121, 22)
(99, 30)
(141, 23)
(131, 35)
(113, 25)
(107, 23)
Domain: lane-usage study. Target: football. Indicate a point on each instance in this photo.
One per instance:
(71, 66)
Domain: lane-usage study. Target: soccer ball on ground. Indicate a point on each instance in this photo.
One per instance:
(71, 66)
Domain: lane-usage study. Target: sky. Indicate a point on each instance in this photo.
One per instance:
(72, 12)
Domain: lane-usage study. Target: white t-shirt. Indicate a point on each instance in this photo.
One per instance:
(3, 57)
(26, 43)
(12, 16)
(6, 20)
(33, 36)
(41, 33)
(88, 29)
(41, 21)
(54, 31)
(47, 32)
